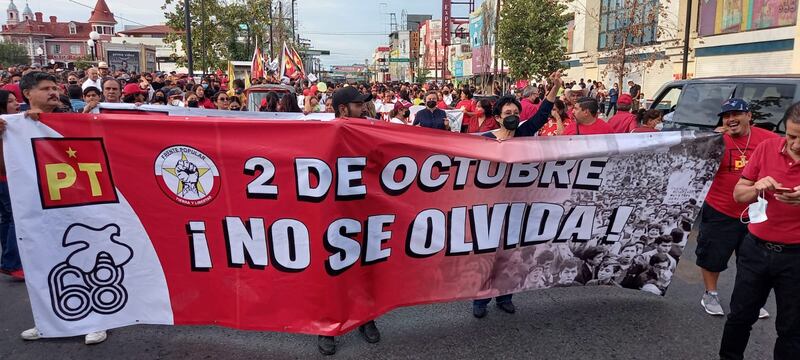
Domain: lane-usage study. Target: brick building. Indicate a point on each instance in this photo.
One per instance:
(61, 42)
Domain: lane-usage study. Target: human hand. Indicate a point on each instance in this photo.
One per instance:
(766, 184)
(791, 198)
(33, 114)
(90, 106)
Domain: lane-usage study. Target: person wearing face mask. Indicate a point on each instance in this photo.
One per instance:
(400, 114)
(159, 98)
(72, 79)
(431, 116)
(507, 111)
(483, 121)
(769, 257)
(175, 97)
(649, 121)
(721, 231)
(192, 101)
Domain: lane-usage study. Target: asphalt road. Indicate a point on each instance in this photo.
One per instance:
(565, 323)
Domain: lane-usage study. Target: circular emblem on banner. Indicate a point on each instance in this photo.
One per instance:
(187, 176)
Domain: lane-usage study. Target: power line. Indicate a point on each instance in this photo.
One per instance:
(116, 16)
(346, 34)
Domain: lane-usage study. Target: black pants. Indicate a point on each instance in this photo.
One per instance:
(759, 270)
(611, 105)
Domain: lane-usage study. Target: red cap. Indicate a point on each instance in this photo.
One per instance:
(132, 89)
(625, 99)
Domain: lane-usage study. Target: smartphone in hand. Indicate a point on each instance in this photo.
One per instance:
(782, 190)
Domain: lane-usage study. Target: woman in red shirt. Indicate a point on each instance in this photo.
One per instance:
(202, 100)
(558, 121)
(483, 122)
(649, 121)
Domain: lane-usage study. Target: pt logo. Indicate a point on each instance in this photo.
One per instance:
(90, 279)
(73, 172)
(187, 176)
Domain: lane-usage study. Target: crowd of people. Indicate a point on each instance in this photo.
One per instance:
(757, 167)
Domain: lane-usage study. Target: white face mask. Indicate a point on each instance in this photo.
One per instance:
(757, 211)
(659, 126)
(176, 102)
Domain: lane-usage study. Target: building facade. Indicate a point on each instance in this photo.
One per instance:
(57, 42)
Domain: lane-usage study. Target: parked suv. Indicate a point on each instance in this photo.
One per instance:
(694, 103)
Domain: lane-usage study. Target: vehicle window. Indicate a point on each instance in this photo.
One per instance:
(768, 102)
(669, 99)
(700, 103)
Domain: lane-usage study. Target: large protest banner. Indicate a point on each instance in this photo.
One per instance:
(317, 227)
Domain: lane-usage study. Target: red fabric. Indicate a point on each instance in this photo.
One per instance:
(488, 124)
(14, 88)
(720, 196)
(442, 105)
(207, 103)
(551, 127)
(623, 122)
(468, 105)
(771, 159)
(596, 128)
(528, 109)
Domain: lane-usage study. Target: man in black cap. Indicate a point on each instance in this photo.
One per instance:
(349, 102)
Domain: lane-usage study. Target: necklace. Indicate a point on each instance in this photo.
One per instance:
(742, 158)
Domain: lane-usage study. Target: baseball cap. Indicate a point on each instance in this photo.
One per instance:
(734, 105)
(576, 87)
(131, 89)
(102, 65)
(349, 95)
(175, 92)
(625, 99)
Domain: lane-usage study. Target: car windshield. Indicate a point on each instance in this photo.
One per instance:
(768, 103)
(700, 103)
(255, 97)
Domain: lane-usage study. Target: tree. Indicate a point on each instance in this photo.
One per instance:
(529, 36)
(208, 50)
(83, 62)
(636, 33)
(422, 76)
(13, 54)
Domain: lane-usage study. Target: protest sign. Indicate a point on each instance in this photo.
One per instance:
(317, 227)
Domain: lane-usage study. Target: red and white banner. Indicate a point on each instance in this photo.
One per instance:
(317, 227)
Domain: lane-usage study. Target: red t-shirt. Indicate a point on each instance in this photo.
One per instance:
(441, 105)
(528, 109)
(623, 122)
(596, 128)
(771, 159)
(720, 196)
(551, 126)
(469, 105)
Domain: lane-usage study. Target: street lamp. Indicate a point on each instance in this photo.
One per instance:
(94, 38)
(40, 54)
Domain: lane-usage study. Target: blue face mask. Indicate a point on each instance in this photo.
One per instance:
(205, 86)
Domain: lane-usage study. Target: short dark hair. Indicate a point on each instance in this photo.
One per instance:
(110, 79)
(92, 89)
(31, 79)
(590, 104)
(74, 91)
(505, 100)
(467, 93)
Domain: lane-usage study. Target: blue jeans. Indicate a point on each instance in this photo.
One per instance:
(481, 303)
(8, 236)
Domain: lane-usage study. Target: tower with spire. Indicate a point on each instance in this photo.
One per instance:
(27, 14)
(12, 14)
(102, 19)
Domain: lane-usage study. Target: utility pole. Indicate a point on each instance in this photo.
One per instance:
(436, 61)
(496, 21)
(686, 25)
(294, 29)
(188, 25)
(203, 33)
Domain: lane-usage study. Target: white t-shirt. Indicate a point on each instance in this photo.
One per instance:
(96, 83)
(397, 121)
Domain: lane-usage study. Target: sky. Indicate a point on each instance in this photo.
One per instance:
(350, 29)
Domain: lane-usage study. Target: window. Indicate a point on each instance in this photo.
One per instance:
(72, 29)
(75, 49)
(55, 49)
(668, 100)
(768, 103)
(700, 103)
(635, 19)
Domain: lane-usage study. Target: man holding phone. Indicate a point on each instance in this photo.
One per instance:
(721, 231)
(769, 256)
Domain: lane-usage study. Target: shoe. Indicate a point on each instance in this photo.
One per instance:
(763, 314)
(326, 345)
(95, 337)
(30, 334)
(507, 307)
(479, 312)
(18, 275)
(710, 303)
(370, 332)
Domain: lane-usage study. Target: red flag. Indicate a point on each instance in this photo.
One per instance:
(292, 64)
(257, 65)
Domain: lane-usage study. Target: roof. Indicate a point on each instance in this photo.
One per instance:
(150, 30)
(12, 7)
(102, 14)
(52, 29)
